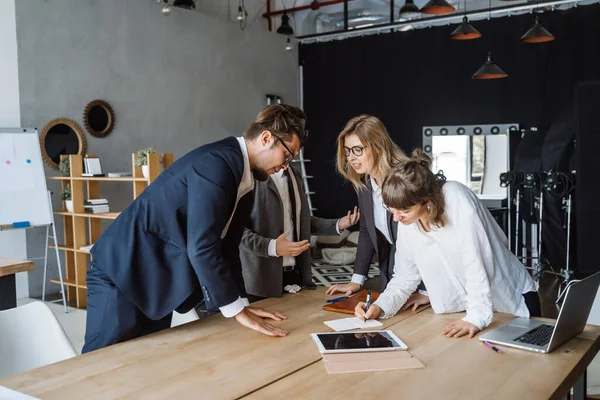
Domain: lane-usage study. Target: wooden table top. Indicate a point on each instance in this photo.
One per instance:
(214, 358)
(454, 369)
(9, 266)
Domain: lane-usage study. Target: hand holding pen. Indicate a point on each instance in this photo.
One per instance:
(367, 305)
(364, 312)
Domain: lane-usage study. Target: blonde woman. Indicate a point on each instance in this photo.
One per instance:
(448, 238)
(365, 155)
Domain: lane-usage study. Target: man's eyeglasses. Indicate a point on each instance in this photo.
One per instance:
(289, 158)
(356, 150)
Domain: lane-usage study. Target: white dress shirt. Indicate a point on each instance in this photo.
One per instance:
(381, 223)
(246, 185)
(466, 265)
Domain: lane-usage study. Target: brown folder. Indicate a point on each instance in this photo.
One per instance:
(339, 363)
(347, 306)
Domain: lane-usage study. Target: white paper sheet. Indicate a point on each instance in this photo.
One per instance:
(8, 394)
(346, 324)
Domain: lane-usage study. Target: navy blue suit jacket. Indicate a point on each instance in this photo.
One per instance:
(167, 244)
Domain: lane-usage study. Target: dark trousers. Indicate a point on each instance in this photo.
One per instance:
(111, 317)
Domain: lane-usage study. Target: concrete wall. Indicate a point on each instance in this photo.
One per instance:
(175, 82)
(12, 243)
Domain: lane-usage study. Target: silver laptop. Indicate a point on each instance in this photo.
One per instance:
(528, 334)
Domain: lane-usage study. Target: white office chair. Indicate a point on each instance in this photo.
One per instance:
(31, 337)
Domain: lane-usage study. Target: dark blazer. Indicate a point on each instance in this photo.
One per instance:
(371, 240)
(263, 275)
(167, 244)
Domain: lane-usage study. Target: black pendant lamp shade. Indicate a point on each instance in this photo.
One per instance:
(409, 10)
(537, 34)
(489, 70)
(187, 4)
(465, 31)
(437, 7)
(285, 28)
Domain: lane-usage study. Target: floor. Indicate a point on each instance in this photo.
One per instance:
(73, 323)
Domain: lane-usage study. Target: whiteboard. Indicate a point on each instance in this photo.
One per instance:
(23, 191)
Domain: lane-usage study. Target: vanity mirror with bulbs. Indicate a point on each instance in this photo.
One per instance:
(474, 155)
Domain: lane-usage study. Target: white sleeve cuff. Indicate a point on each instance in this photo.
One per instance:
(358, 278)
(423, 292)
(475, 321)
(384, 314)
(337, 227)
(233, 309)
(273, 248)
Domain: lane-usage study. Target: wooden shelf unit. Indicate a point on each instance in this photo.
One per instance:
(81, 228)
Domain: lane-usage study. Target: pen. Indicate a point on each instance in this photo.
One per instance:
(337, 299)
(368, 304)
(488, 344)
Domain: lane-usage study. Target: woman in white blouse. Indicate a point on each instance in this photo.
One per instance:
(448, 238)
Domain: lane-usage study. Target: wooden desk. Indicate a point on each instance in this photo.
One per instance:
(214, 358)
(8, 290)
(454, 369)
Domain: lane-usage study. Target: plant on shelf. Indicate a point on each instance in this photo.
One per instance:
(65, 195)
(64, 167)
(141, 159)
(141, 156)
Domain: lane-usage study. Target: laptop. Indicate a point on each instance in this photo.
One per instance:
(543, 337)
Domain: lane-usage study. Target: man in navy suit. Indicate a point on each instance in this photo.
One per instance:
(178, 242)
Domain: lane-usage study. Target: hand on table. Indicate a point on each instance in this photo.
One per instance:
(460, 328)
(252, 317)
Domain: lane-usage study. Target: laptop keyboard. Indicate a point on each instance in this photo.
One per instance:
(539, 336)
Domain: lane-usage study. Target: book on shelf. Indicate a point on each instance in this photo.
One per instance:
(92, 175)
(92, 167)
(119, 174)
(95, 202)
(97, 209)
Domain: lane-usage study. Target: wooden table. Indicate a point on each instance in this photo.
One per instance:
(454, 369)
(216, 358)
(8, 290)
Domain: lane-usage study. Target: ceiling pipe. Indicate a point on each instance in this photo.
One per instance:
(314, 5)
(268, 12)
(386, 28)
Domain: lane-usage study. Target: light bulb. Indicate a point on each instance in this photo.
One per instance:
(288, 46)
(166, 9)
(240, 16)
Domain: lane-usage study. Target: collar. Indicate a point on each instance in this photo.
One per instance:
(247, 182)
(374, 184)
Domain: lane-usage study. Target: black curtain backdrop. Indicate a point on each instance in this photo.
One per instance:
(418, 78)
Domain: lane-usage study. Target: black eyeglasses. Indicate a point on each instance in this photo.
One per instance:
(289, 159)
(357, 150)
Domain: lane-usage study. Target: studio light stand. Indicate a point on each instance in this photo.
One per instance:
(561, 185)
(512, 180)
(531, 181)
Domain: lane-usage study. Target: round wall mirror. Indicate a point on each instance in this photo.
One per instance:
(61, 136)
(99, 118)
